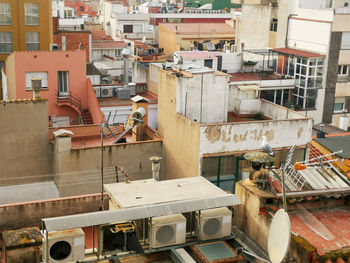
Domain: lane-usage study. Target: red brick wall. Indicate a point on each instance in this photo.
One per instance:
(74, 41)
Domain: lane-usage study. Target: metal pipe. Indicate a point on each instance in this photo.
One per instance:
(316, 192)
(101, 206)
(200, 112)
(286, 41)
(218, 173)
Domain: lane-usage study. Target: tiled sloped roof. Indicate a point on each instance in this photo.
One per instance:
(298, 53)
(337, 222)
(108, 44)
(100, 35)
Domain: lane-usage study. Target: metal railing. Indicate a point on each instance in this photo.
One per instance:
(71, 99)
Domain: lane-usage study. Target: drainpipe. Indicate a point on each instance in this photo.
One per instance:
(242, 54)
(287, 31)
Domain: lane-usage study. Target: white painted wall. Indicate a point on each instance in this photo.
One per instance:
(248, 135)
(4, 85)
(309, 35)
(95, 79)
(203, 97)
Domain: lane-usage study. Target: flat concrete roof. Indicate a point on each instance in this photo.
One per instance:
(335, 144)
(150, 191)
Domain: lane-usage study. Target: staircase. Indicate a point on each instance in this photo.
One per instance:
(86, 117)
(75, 102)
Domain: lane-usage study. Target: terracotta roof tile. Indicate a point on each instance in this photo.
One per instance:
(201, 28)
(100, 35)
(336, 220)
(108, 44)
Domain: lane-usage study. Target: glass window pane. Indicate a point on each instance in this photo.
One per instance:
(311, 82)
(312, 71)
(303, 70)
(318, 82)
(312, 62)
(311, 103)
(320, 61)
(32, 14)
(302, 81)
(312, 93)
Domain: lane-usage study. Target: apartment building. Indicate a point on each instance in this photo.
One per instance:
(299, 32)
(207, 125)
(24, 25)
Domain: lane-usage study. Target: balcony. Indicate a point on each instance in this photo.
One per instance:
(255, 118)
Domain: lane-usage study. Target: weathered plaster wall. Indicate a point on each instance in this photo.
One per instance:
(255, 25)
(180, 134)
(203, 97)
(247, 216)
(78, 171)
(30, 213)
(24, 142)
(248, 136)
(167, 40)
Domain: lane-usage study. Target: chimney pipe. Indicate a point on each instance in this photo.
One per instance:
(155, 166)
(36, 87)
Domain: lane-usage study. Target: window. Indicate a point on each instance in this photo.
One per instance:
(117, 53)
(345, 40)
(62, 82)
(5, 14)
(273, 25)
(128, 29)
(339, 105)
(36, 75)
(343, 70)
(32, 13)
(33, 40)
(82, 8)
(5, 42)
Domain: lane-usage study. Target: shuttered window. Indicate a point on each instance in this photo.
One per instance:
(36, 75)
(345, 41)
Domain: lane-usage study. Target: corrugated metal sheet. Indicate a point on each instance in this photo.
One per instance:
(105, 217)
(317, 178)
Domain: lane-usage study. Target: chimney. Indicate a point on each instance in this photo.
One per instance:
(155, 166)
(140, 106)
(36, 87)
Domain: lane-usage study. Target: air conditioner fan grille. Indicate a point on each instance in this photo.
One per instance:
(211, 226)
(165, 234)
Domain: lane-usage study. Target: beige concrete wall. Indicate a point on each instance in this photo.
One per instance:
(152, 80)
(344, 57)
(11, 77)
(77, 171)
(30, 213)
(342, 89)
(180, 134)
(24, 142)
(166, 40)
(341, 23)
(247, 216)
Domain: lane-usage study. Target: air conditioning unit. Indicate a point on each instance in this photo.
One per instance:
(106, 92)
(214, 223)
(97, 92)
(64, 246)
(53, 47)
(132, 87)
(167, 230)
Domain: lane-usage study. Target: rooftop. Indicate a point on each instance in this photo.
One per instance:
(114, 101)
(149, 192)
(108, 44)
(253, 76)
(199, 28)
(335, 144)
(100, 35)
(335, 220)
(297, 52)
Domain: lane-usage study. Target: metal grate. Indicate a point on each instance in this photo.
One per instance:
(211, 226)
(165, 234)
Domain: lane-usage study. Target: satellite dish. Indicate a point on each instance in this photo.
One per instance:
(279, 236)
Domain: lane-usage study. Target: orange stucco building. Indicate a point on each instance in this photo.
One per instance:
(70, 95)
(24, 25)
